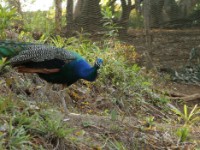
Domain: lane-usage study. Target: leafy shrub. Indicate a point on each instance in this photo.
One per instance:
(7, 16)
(39, 21)
(136, 20)
(109, 24)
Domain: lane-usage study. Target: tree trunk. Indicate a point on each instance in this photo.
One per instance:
(78, 8)
(69, 16)
(156, 15)
(58, 16)
(124, 20)
(171, 10)
(162, 11)
(90, 17)
(186, 7)
(127, 7)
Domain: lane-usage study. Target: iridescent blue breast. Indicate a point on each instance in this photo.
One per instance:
(71, 72)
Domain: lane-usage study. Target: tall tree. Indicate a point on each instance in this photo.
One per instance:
(162, 11)
(58, 16)
(156, 12)
(89, 17)
(127, 7)
(78, 8)
(69, 15)
(186, 6)
(171, 10)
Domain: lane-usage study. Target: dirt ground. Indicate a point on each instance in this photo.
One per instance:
(168, 49)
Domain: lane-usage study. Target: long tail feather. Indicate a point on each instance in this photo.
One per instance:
(10, 48)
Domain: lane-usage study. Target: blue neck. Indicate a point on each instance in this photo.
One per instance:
(85, 71)
(89, 74)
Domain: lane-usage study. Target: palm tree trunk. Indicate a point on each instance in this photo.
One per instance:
(58, 16)
(69, 15)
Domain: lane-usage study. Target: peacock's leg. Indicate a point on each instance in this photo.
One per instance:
(62, 94)
(48, 90)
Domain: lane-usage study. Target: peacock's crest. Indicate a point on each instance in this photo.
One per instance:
(99, 62)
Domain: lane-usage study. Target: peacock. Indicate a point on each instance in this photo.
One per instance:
(52, 64)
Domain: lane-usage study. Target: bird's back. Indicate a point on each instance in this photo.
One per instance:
(20, 53)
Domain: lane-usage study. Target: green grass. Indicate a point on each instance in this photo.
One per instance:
(22, 125)
(124, 90)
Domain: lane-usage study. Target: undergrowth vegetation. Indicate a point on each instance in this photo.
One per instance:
(119, 77)
(125, 112)
(27, 126)
(122, 90)
(7, 17)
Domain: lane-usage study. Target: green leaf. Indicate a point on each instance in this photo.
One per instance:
(185, 112)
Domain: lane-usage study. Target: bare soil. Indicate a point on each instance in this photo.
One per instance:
(167, 49)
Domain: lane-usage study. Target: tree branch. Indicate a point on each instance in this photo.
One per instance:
(180, 96)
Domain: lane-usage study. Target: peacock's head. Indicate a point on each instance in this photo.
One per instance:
(98, 62)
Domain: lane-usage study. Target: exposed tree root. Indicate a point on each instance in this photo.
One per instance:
(180, 96)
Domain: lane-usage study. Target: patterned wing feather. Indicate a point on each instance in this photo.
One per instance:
(41, 53)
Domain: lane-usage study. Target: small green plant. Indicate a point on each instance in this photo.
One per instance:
(6, 104)
(182, 133)
(7, 15)
(188, 118)
(82, 36)
(150, 121)
(23, 125)
(17, 137)
(136, 20)
(113, 115)
(58, 41)
(2, 64)
(52, 124)
(2, 61)
(109, 22)
(87, 124)
(25, 36)
(114, 144)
